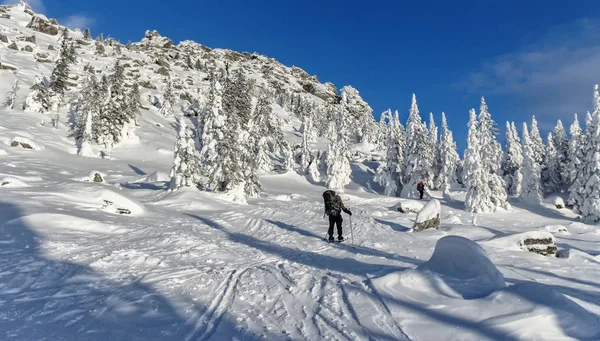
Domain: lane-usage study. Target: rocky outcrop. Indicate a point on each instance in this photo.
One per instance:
(44, 26)
(153, 38)
(13, 46)
(542, 246)
(3, 38)
(27, 48)
(428, 217)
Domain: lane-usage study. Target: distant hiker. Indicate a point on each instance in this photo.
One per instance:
(421, 189)
(333, 208)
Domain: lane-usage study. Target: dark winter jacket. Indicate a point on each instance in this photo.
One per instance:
(421, 186)
(336, 206)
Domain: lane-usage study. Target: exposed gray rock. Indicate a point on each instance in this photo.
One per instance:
(3, 38)
(428, 217)
(21, 144)
(4, 16)
(13, 46)
(98, 178)
(542, 246)
(44, 26)
(163, 71)
(51, 47)
(27, 48)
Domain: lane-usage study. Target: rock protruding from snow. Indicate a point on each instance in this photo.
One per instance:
(25, 143)
(555, 200)
(429, 216)
(41, 25)
(540, 242)
(408, 206)
(94, 176)
(153, 38)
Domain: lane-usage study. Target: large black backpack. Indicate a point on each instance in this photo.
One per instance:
(332, 205)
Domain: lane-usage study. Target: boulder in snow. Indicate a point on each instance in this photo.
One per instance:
(43, 26)
(429, 216)
(24, 143)
(408, 206)
(540, 242)
(555, 200)
(3, 38)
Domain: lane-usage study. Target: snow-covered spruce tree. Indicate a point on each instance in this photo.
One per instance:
(134, 102)
(575, 165)
(87, 34)
(491, 157)
(382, 130)
(38, 99)
(105, 128)
(436, 182)
(185, 161)
(88, 106)
(166, 108)
(513, 160)
(531, 191)
(538, 144)
(306, 156)
(359, 118)
(561, 142)
(449, 158)
(478, 198)
(261, 136)
(417, 156)
(389, 175)
(338, 153)
(553, 161)
(590, 210)
(238, 172)
(11, 97)
(60, 74)
(212, 132)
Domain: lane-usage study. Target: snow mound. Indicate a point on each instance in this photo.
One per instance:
(555, 228)
(458, 268)
(451, 219)
(3, 152)
(156, 176)
(542, 305)
(165, 151)
(94, 176)
(430, 211)
(117, 203)
(25, 143)
(526, 241)
(10, 182)
(577, 255)
(408, 206)
(283, 197)
(555, 200)
(50, 223)
(465, 266)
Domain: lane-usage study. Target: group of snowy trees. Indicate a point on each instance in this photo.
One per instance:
(415, 154)
(106, 110)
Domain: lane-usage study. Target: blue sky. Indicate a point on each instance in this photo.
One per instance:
(525, 57)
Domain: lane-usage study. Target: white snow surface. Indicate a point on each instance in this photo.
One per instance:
(191, 265)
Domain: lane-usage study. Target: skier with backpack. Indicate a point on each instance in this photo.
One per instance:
(333, 208)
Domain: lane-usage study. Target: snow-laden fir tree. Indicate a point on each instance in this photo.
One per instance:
(338, 153)
(185, 161)
(531, 191)
(561, 143)
(11, 97)
(262, 136)
(60, 74)
(382, 130)
(87, 34)
(436, 182)
(475, 173)
(553, 165)
(590, 210)
(212, 130)
(88, 106)
(306, 156)
(134, 102)
(538, 144)
(38, 99)
(166, 108)
(575, 165)
(491, 157)
(389, 175)
(513, 160)
(417, 156)
(358, 115)
(449, 158)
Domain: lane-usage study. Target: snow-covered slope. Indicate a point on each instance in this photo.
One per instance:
(125, 259)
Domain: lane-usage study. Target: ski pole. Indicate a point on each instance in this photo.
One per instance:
(351, 231)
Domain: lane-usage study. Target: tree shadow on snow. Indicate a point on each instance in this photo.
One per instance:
(367, 251)
(396, 227)
(145, 185)
(137, 170)
(46, 299)
(541, 210)
(305, 257)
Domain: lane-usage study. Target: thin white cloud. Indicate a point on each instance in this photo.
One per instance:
(36, 5)
(551, 78)
(79, 21)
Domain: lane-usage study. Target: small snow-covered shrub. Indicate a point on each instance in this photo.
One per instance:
(555, 200)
